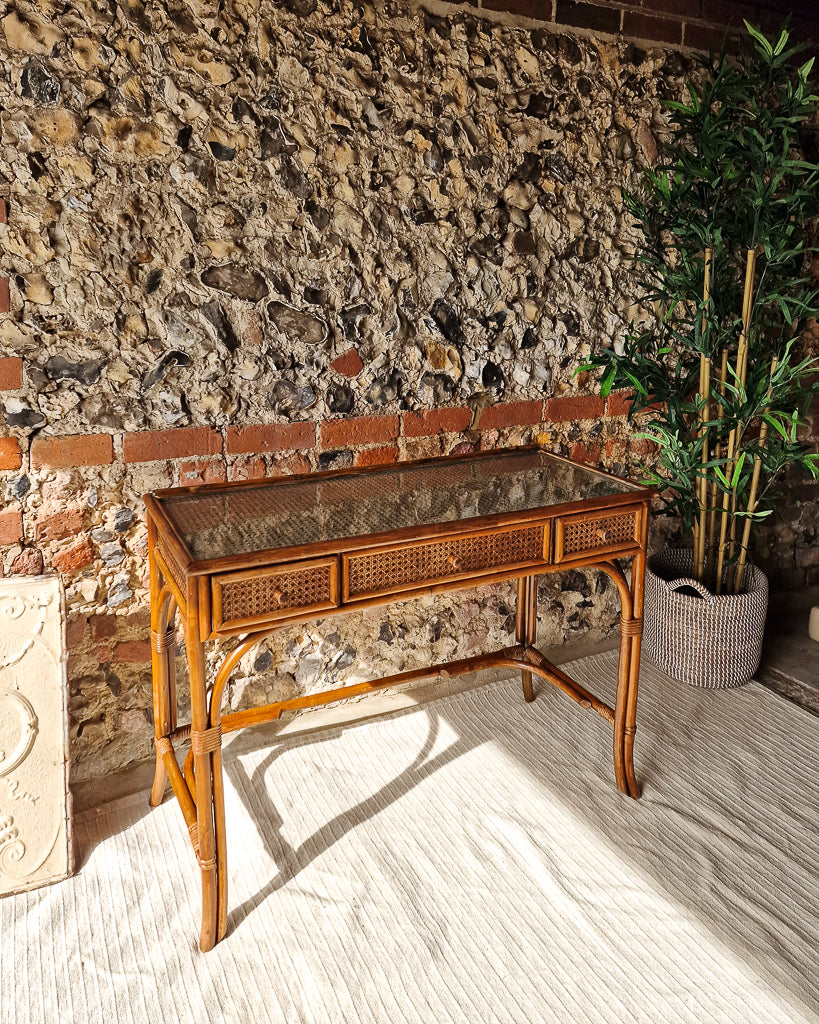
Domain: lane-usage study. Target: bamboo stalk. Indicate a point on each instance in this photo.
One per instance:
(729, 499)
(746, 533)
(705, 400)
(712, 512)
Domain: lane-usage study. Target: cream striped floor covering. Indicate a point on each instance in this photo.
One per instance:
(466, 861)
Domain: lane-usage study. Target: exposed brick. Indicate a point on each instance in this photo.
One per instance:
(587, 453)
(10, 455)
(642, 446)
(75, 631)
(575, 407)
(270, 437)
(540, 10)
(436, 421)
(643, 26)
(348, 363)
(705, 37)
(619, 403)
(729, 12)
(4, 211)
(359, 430)
(72, 450)
(139, 618)
(511, 414)
(248, 468)
(376, 457)
(579, 15)
(103, 626)
(211, 471)
(102, 654)
(136, 652)
(28, 563)
(180, 443)
(5, 296)
(78, 556)
(11, 526)
(11, 368)
(676, 8)
(61, 524)
(291, 465)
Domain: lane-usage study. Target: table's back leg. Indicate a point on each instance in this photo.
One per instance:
(526, 624)
(636, 630)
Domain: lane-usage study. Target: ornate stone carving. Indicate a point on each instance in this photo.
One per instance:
(35, 836)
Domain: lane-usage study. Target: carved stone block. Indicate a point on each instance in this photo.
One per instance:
(35, 809)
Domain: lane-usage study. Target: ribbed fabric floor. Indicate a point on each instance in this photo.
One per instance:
(469, 861)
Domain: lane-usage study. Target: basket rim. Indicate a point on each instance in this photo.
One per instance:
(757, 581)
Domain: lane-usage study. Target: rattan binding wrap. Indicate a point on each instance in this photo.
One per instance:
(711, 641)
(417, 564)
(584, 534)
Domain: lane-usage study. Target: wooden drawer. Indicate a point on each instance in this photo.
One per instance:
(404, 567)
(253, 597)
(591, 532)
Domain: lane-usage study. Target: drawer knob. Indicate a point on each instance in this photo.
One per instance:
(454, 562)
(603, 535)
(278, 596)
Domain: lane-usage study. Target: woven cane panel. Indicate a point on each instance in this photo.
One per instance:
(177, 575)
(589, 534)
(254, 596)
(405, 567)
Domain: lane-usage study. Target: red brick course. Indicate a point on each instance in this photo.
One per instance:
(72, 450)
(436, 421)
(248, 468)
(10, 455)
(359, 430)
(103, 626)
(376, 457)
(5, 297)
(575, 407)
(270, 437)
(78, 556)
(11, 526)
(511, 414)
(61, 524)
(11, 367)
(619, 403)
(179, 443)
(136, 652)
(212, 471)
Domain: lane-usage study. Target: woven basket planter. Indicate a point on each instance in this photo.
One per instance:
(700, 638)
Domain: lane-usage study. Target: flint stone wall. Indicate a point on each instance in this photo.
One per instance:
(247, 240)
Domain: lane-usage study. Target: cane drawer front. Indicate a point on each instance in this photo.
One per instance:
(254, 597)
(592, 532)
(405, 567)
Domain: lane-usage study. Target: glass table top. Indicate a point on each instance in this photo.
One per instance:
(281, 514)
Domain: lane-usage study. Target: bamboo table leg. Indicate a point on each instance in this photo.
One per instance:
(163, 610)
(204, 742)
(526, 624)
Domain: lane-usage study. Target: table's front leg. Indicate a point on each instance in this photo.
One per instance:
(205, 742)
(526, 624)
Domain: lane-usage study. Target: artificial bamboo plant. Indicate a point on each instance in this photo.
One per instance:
(726, 218)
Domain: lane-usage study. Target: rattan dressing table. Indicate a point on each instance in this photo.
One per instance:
(245, 559)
